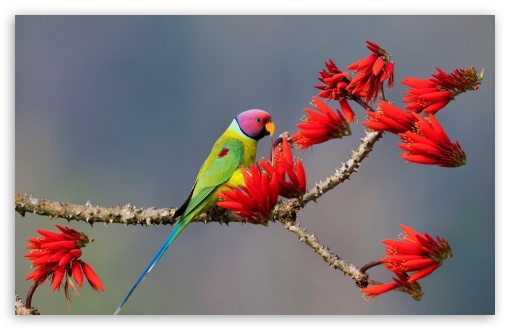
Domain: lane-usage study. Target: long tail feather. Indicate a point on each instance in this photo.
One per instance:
(175, 232)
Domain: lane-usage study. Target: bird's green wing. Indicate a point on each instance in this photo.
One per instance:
(219, 166)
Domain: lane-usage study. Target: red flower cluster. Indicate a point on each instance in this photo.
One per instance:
(336, 82)
(390, 118)
(459, 80)
(320, 127)
(415, 253)
(371, 72)
(283, 166)
(430, 145)
(400, 283)
(433, 94)
(425, 95)
(255, 199)
(425, 140)
(55, 255)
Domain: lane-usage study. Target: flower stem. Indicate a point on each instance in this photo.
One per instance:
(381, 93)
(362, 103)
(370, 265)
(30, 293)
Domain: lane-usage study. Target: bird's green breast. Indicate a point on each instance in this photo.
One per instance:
(233, 150)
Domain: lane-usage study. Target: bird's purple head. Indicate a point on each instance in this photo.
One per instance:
(255, 123)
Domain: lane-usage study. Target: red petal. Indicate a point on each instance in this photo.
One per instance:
(420, 148)
(51, 235)
(396, 113)
(421, 91)
(378, 65)
(322, 133)
(418, 82)
(301, 175)
(436, 96)
(367, 61)
(411, 233)
(42, 260)
(392, 124)
(376, 125)
(34, 254)
(380, 288)
(315, 116)
(420, 159)
(234, 206)
(92, 277)
(436, 106)
(57, 278)
(77, 272)
(373, 46)
(354, 66)
(389, 68)
(313, 126)
(67, 230)
(417, 264)
(267, 166)
(346, 108)
(287, 153)
(76, 253)
(400, 247)
(59, 245)
(323, 107)
(422, 273)
(65, 259)
(325, 94)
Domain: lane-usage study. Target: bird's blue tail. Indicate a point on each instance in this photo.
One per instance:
(175, 232)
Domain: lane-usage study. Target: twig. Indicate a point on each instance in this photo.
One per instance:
(334, 261)
(344, 172)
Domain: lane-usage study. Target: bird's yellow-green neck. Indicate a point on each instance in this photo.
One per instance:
(250, 145)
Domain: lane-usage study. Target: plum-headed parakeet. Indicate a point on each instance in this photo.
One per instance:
(234, 150)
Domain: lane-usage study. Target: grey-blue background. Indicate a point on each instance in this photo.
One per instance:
(124, 109)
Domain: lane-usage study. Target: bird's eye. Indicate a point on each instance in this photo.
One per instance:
(258, 120)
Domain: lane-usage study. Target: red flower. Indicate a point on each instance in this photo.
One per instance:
(390, 118)
(336, 82)
(371, 72)
(429, 98)
(433, 94)
(320, 127)
(283, 166)
(459, 80)
(255, 200)
(431, 145)
(415, 253)
(401, 283)
(56, 255)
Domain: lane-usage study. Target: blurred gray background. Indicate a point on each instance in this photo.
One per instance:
(124, 109)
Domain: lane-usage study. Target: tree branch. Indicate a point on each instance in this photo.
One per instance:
(329, 257)
(126, 215)
(285, 212)
(344, 172)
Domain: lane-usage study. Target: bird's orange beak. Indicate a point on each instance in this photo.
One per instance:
(270, 128)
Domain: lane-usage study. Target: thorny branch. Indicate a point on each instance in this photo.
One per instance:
(285, 211)
(333, 260)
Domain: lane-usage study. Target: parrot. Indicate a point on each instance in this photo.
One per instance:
(234, 150)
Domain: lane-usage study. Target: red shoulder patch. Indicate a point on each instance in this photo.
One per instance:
(223, 152)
